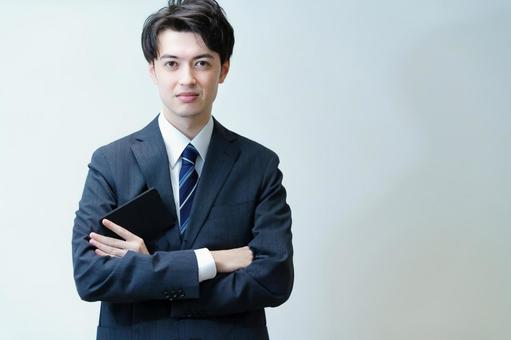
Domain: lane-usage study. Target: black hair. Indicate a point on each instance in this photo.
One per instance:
(204, 17)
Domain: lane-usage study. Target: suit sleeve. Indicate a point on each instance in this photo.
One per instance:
(268, 280)
(134, 277)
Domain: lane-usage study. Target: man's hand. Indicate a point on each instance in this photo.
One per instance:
(228, 261)
(108, 246)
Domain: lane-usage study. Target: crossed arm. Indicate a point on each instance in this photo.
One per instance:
(106, 269)
(226, 261)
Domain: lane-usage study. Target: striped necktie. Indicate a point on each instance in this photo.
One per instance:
(188, 178)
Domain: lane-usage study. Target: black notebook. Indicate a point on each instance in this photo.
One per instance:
(145, 216)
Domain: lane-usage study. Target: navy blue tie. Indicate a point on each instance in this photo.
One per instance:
(188, 178)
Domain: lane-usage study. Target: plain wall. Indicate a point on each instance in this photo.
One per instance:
(391, 119)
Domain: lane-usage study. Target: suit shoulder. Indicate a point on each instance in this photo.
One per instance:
(118, 145)
(123, 145)
(245, 144)
(253, 148)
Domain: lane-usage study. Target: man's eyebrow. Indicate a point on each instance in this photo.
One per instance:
(201, 56)
(168, 56)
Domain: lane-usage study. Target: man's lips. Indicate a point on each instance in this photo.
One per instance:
(187, 97)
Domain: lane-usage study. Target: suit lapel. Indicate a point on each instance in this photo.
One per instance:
(151, 155)
(221, 156)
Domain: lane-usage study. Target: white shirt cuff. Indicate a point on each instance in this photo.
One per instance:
(206, 264)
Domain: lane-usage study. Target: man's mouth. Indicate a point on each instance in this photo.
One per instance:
(187, 97)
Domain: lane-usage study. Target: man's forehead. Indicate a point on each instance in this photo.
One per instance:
(181, 44)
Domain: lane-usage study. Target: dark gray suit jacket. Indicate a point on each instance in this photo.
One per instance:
(239, 200)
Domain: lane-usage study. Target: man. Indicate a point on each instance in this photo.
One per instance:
(227, 253)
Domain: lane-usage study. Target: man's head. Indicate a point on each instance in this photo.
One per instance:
(204, 17)
(188, 46)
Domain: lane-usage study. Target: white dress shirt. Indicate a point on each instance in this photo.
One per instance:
(175, 143)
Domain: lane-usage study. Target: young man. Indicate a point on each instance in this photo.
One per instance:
(227, 252)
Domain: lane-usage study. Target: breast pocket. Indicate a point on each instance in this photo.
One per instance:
(229, 226)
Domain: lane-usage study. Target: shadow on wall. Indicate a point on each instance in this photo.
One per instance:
(429, 258)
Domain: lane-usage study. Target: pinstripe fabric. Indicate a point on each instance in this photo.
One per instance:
(188, 178)
(242, 201)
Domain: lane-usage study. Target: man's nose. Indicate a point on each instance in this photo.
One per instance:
(187, 76)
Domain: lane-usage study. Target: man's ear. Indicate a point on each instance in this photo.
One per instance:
(152, 72)
(224, 71)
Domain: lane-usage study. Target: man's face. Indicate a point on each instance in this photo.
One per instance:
(187, 74)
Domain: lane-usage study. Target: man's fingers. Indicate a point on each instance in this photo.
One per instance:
(109, 241)
(108, 249)
(124, 233)
(101, 253)
(114, 247)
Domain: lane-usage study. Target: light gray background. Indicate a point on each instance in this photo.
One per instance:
(392, 121)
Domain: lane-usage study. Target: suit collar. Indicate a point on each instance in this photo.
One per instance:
(149, 151)
(176, 141)
(223, 152)
(151, 156)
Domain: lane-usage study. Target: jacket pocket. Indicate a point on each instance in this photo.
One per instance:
(231, 210)
(228, 226)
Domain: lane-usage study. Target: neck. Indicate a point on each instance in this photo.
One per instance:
(188, 126)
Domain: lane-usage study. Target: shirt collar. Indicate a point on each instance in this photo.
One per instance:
(176, 141)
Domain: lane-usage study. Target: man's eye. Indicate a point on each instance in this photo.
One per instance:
(171, 64)
(202, 64)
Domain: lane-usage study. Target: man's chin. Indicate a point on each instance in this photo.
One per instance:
(190, 115)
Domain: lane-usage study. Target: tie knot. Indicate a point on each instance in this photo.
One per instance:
(190, 154)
